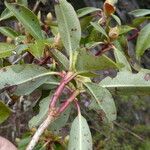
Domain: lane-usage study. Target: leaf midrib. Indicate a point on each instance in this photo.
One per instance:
(35, 77)
(80, 132)
(124, 86)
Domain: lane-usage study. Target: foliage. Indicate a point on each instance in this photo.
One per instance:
(64, 61)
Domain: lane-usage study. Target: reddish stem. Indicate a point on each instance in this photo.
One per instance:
(44, 61)
(104, 49)
(78, 107)
(64, 106)
(65, 80)
(135, 34)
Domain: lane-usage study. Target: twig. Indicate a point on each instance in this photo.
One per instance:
(44, 61)
(68, 101)
(50, 118)
(104, 49)
(127, 130)
(21, 57)
(69, 76)
(78, 107)
(36, 6)
(54, 112)
(135, 34)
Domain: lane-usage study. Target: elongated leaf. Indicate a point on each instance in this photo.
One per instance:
(29, 87)
(143, 41)
(37, 49)
(87, 10)
(61, 58)
(6, 14)
(4, 112)
(137, 21)
(69, 25)
(85, 22)
(92, 44)
(6, 49)
(43, 111)
(117, 19)
(27, 18)
(51, 83)
(87, 62)
(80, 135)
(102, 100)
(21, 48)
(8, 32)
(23, 2)
(99, 28)
(120, 57)
(128, 83)
(24, 78)
(124, 29)
(140, 12)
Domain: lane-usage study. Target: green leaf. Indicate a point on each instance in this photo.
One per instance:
(9, 32)
(51, 83)
(137, 21)
(37, 49)
(143, 41)
(120, 57)
(4, 112)
(99, 28)
(124, 29)
(92, 44)
(61, 58)
(21, 48)
(68, 25)
(87, 62)
(29, 87)
(128, 83)
(19, 39)
(27, 18)
(43, 111)
(23, 2)
(80, 135)
(24, 78)
(117, 19)
(140, 12)
(60, 121)
(102, 100)
(6, 14)
(54, 30)
(85, 22)
(6, 49)
(22, 144)
(87, 10)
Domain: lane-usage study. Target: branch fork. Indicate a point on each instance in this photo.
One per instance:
(54, 111)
